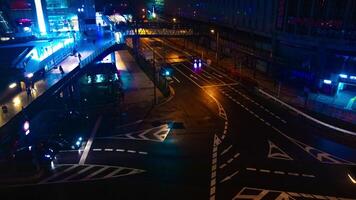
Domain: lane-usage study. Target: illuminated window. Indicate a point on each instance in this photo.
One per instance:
(40, 17)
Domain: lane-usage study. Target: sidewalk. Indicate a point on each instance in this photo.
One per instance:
(138, 88)
(317, 104)
(22, 100)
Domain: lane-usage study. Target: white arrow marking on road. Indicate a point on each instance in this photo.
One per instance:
(321, 156)
(229, 177)
(276, 152)
(162, 133)
(142, 135)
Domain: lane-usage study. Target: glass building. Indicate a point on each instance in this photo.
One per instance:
(41, 17)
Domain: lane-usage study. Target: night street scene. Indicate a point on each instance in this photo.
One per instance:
(178, 99)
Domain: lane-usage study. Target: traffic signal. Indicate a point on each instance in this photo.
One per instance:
(26, 127)
(167, 71)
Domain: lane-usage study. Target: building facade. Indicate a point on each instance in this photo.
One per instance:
(312, 41)
(42, 17)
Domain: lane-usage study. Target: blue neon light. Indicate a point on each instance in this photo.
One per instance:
(343, 75)
(353, 77)
(328, 82)
(40, 17)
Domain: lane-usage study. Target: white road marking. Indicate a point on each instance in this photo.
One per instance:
(143, 152)
(265, 170)
(108, 149)
(191, 75)
(90, 141)
(308, 116)
(251, 169)
(96, 172)
(220, 85)
(113, 172)
(131, 151)
(58, 174)
(279, 172)
(226, 150)
(80, 172)
(293, 174)
(277, 153)
(308, 175)
(175, 78)
(120, 150)
(97, 149)
(229, 177)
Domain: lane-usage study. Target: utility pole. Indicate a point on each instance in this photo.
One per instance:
(217, 48)
(154, 77)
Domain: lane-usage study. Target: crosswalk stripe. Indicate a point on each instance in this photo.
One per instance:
(58, 174)
(80, 172)
(113, 173)
(96, 173)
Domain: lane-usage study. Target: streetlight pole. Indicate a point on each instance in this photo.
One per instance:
(217, 48)
(154, 77)
(217, 45)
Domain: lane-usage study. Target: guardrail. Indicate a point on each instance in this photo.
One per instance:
(306, 115)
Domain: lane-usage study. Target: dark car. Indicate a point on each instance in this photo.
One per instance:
(32, 158)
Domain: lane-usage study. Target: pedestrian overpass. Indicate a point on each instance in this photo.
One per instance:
(156, 29)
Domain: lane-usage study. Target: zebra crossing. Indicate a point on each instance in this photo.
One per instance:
(262, 194)
(63, 173)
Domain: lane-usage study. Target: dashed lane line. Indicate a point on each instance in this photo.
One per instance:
(175, 78)
(258, 104)
(120, 150)
(268, 171)
(229, 161)
(226, 150)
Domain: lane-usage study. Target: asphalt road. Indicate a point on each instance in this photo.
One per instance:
(215, 139)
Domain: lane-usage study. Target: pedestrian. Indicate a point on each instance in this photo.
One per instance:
(80, 57)
(4, 109)
(32, 84)
(29, 93)
(61, 69)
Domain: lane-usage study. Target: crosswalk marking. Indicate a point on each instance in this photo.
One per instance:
(58, 174)
(87, 172)
(259, 194)
(80, 172)
(113, 173)
(97, 172)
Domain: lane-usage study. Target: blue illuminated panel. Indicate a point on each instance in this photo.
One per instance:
(40, 17)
